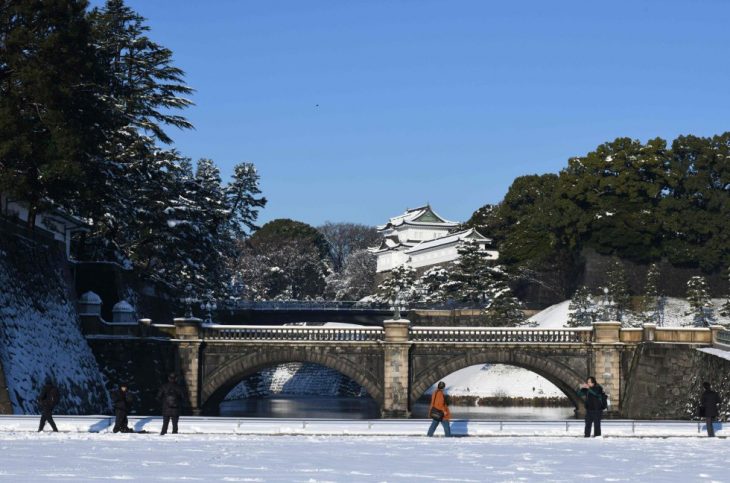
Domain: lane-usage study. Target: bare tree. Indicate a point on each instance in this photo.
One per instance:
(346, 238)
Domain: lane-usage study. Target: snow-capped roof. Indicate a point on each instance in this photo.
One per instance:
(391, 244)
(457, 237)
(423, 215)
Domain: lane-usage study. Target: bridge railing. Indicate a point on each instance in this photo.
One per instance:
(289, 333)
(500, 335)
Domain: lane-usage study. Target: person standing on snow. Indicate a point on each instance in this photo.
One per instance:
(122, 403)
(171, 396)
(594, 397)
(438, 411)
(47, 400)
(709, 407)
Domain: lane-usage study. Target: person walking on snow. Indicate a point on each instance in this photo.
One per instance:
(438, 411)
(122, 403)
(709, 407)
(594, 396)
(47, 400)
(171, 395)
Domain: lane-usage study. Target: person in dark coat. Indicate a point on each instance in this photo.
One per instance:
(592, 393)
(122, 403)
(171, 396)
(47, 400)
(709, 404)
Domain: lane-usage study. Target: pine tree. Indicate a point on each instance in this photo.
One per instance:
(582, 310)
(471, 277)
(400, 283)
(53, 118)
(698, 296)
(618, 292)
(242, 200)
(725, 309)
(144, 84)
(432, 285)
(503, 309)
(651, 301)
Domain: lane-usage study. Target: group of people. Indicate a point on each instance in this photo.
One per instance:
(170, 396)
(594, 398)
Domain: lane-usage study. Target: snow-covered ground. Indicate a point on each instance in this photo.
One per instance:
(93, 457)
(499, 380)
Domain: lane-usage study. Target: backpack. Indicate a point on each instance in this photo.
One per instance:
(604, 401)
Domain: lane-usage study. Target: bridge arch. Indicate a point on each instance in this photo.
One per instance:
(563, 377)
(217, 385)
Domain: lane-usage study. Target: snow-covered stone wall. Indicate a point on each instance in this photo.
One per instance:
(40, 335)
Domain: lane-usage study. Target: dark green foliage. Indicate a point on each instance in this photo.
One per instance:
(700, 303)
(582, 310)
(52, 113)
(283, 231)
(637, 201)
(400, 283)
(143, 82)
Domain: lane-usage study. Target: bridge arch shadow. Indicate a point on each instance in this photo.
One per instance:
(217, 386)
(560, 375)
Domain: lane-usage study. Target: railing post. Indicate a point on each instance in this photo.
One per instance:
(649, 332)
(188, 335)
(396, 368)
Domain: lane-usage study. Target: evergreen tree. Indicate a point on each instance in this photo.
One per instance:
(698, 296)
(144, 84)
(651, 302)
(471, 277)
(618, 293)
(242, 200)
(432, 285)
(503, 309)
(401, 282)
(582, 310)
(725, 309)
(53, 117)
(617, 190)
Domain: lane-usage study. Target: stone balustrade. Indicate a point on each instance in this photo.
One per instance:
(289, 333)
(500, 335)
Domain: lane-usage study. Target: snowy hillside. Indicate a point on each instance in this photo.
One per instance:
(40, 337)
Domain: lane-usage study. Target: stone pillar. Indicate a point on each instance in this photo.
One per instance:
(649, 332)
(607, 349)
(188, 338)
(395, 368)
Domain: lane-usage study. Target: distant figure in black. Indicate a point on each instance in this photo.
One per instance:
(47, 400)
(122, 403)
(709, 407)
(171, 395)
(594, 397)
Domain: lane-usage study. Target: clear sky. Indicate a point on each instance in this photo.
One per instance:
(355, 110)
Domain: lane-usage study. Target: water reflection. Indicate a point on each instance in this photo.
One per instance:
(302, 407)
(494, 412)
(366, 408)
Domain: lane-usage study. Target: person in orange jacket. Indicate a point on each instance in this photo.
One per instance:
(439, 411)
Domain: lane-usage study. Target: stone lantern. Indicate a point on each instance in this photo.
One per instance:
(123, 313)
(90, 304)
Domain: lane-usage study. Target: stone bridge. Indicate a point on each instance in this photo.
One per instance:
(396, 363)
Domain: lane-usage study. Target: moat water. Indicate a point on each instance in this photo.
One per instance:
(366, 408)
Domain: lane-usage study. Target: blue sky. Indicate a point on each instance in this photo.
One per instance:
(355, 110)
